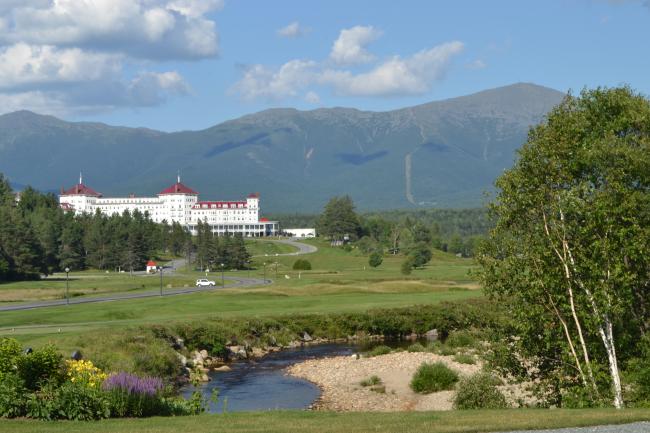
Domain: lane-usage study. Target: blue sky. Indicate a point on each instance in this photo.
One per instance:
(190, 64)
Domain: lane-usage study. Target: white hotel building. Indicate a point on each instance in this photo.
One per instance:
(178, 203)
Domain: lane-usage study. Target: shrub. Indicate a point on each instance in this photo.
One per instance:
(12, 396)
(10, 351)
(461, 339)
(416, 347)
(407, 266)
(433, 378)
(81, 403)
(479, 392)
(133, 396)
(302, 265)
(41, 365)
(379, 350)
(372, 380)
(464, 358)
(375, 259)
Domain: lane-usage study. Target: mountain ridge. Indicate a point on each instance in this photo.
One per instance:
(441, 153)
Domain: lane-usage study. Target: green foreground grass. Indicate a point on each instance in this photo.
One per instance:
(329, 422)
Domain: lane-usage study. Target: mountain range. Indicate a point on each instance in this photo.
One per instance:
(440, 154)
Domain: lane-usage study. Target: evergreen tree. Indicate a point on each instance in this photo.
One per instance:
(339, 219)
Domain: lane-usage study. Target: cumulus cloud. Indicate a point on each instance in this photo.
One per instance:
(293, 30)
(261, 82)
(350, 47)
(396, 76)
(149, 29)
(58, 49)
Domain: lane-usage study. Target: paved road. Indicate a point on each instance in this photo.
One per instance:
(236, 282)
(302, 248)
(637, 427)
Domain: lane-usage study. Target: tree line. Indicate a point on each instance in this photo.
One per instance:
(457, 231)
(38, 238)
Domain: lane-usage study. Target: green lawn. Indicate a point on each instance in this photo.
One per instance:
(329, 422)
(339, 281)
(259, 247)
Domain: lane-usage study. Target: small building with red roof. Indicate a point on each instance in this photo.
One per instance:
(152, 267)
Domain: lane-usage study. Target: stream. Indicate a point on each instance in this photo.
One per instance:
(263, 385)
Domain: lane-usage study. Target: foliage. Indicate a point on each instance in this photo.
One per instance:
(379, 350)
(85, 373)
(339, 219)
(131, 395)
(569, 252)
(420, 255)
(10, 351)
(479, 392)
(40, 366)
(416, 347)
(407, 266)
(433, 378)
(464, 358)
(375, 259)
(12, 396)
(372, 380)
(461, 338)
(302, 265)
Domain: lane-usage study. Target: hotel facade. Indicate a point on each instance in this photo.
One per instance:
(177, 203)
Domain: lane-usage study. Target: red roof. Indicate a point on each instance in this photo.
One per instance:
(178, 188)
(264, 220)
(151, 263)
(81, 189)
(254, 195)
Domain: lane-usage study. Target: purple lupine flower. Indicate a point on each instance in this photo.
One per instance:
(133, 384)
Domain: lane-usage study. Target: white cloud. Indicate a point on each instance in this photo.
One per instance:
(476, 64)
(149, 29)
(350, 47)
(70, 56)
(397, 76)
(261, 82)
(411, 76)
(23, 65)
(293, 30)
(312, 97)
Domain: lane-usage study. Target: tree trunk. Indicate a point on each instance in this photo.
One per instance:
(607, 336)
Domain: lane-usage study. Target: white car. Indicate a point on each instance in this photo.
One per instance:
(204, 282)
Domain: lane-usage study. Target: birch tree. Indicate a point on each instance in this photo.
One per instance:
(570, 249)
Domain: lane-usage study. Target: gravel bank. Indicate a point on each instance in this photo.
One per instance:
(339, 378)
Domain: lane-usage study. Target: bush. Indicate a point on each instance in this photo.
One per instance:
(379, 350)
(479, 392)
(375, 259)
(461, 339)
(464, 358)
(40, 366)
(407, 266)
(10, 351)
(416, 347)
(371, 381)
(302, 265)
(433, 378)
(81, 403)
(12, 396)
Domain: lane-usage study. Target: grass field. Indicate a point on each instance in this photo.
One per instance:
(329, 422)
(339, 281)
